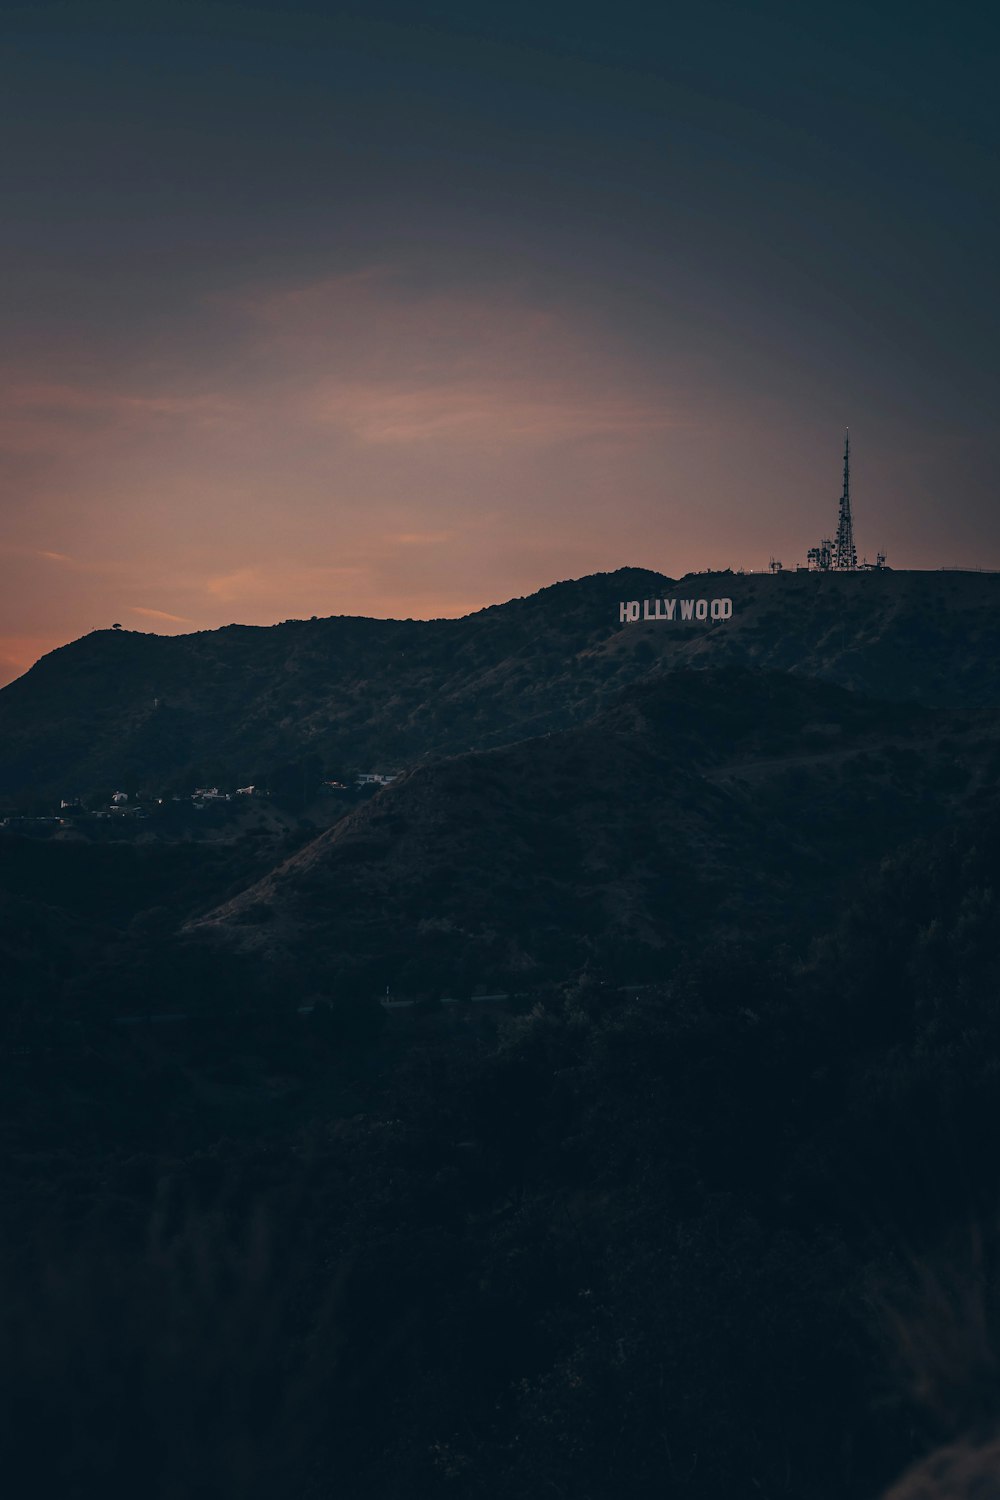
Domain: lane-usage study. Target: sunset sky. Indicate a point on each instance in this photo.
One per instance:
(407, 309)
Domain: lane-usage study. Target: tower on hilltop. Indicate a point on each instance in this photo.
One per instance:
(840, 555)
(845, 555)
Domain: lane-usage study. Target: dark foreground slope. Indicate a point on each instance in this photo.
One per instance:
(599, 1241)
(700, 805)
(733, 1236)
(120, 707)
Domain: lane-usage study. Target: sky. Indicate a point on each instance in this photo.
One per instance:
(406, 309)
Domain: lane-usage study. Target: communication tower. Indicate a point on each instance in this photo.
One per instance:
(839, 554)
(845, 554)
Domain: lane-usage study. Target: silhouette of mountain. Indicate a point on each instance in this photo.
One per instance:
(124, 707)
(747, 1071)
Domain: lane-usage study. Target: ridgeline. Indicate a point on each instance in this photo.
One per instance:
(122, 708)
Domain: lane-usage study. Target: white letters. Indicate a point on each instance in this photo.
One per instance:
(630, 610)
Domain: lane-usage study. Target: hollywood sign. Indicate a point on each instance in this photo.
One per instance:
(674, 609)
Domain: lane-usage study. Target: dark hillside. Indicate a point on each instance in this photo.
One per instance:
(699, 805)
(730, 1236)
(123, 708)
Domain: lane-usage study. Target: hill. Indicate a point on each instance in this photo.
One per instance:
(264, 1249)
(490, 1253)
(722, 803)
(121, 707)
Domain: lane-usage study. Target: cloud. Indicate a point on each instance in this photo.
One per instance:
(420, 538)
(159, 614)
(393, 362)
(44, 417)
(282, 581)
(56, 399)
(485, 412)
(45, 554)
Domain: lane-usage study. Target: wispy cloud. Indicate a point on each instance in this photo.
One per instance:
(393, 363)
(55, 399)
(46, 554)
(420, 538)
(483, 412)
(159, 614)
(279, 581)
(37, 416)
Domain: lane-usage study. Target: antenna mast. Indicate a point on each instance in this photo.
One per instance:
(845, 554)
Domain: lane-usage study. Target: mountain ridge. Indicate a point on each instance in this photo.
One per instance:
(124, 707)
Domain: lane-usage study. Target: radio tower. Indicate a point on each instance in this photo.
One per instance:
(845, 556)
